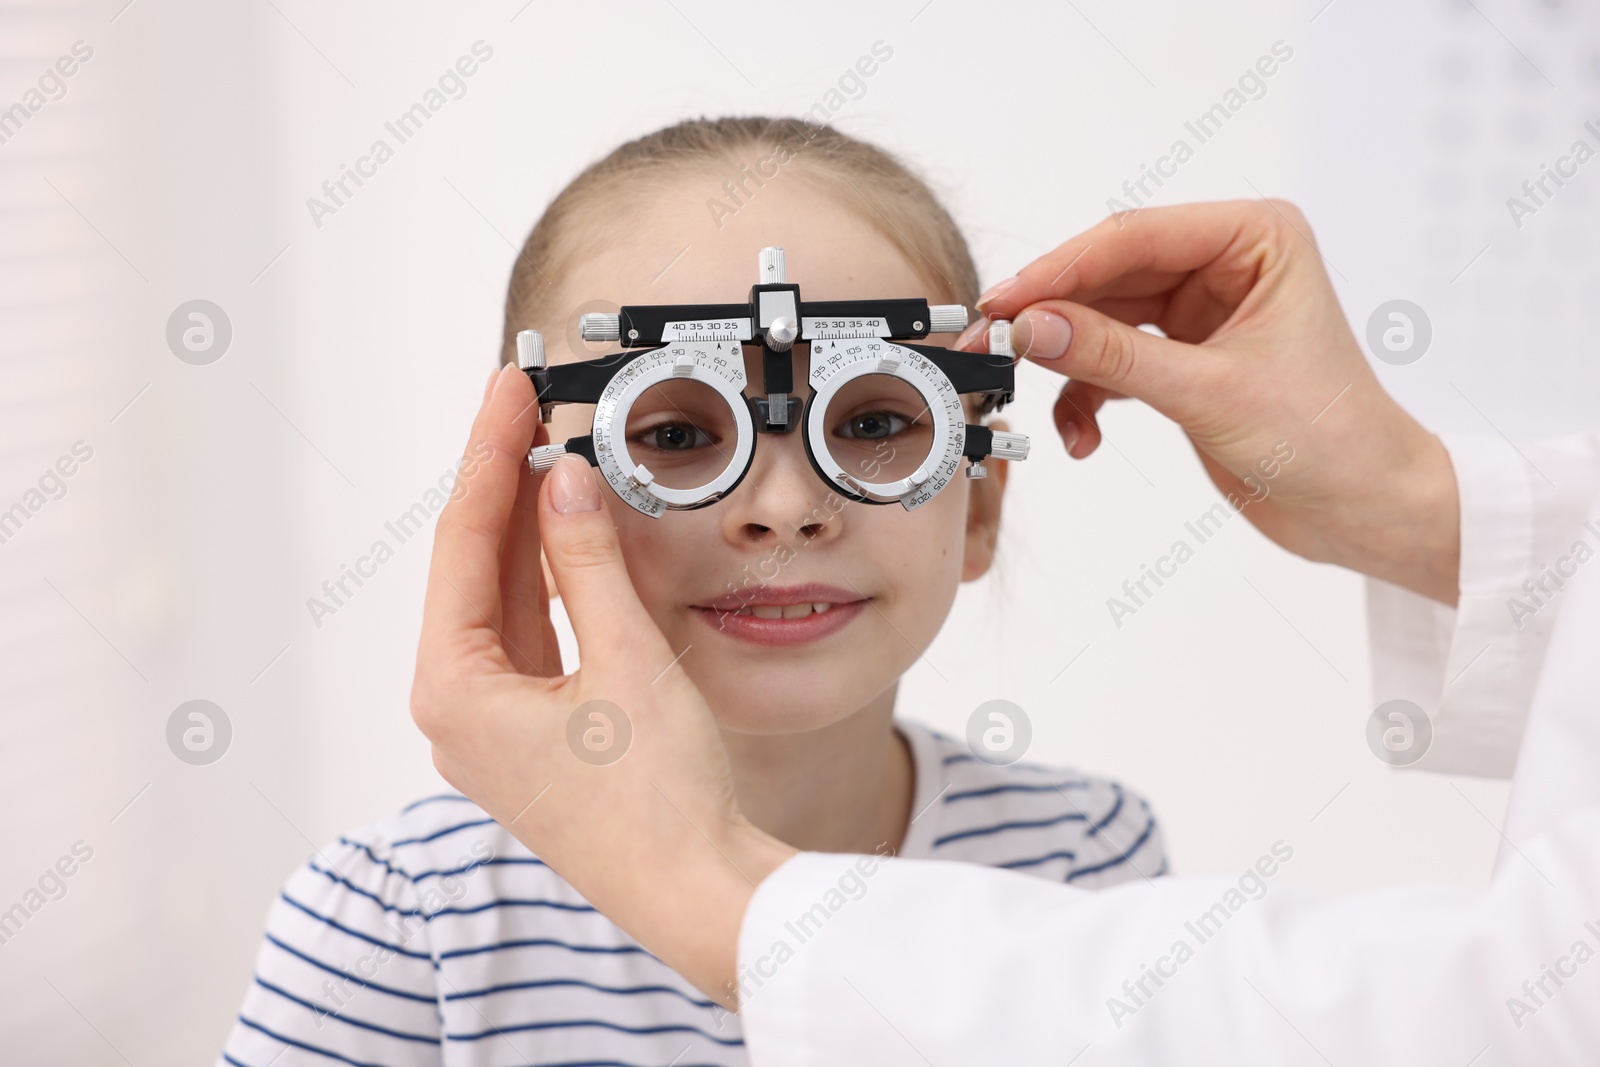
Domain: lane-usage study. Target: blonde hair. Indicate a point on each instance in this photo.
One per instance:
(893, 200)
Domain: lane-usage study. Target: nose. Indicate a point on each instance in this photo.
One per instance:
(781, 499)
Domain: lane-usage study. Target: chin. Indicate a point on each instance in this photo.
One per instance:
(801, 709)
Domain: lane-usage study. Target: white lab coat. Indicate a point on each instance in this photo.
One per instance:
(948, 964)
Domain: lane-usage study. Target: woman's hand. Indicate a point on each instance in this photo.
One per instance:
(614, 775)
(1257, 358)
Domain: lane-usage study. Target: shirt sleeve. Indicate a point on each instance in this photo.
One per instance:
(1525, 531)
(345, 973)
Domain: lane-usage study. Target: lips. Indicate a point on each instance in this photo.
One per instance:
(782, 615)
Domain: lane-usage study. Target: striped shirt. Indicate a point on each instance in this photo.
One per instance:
(435, 937)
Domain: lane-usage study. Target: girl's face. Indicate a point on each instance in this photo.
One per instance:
(792, 607)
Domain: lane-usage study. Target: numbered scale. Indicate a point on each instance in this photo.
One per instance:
(674, 429)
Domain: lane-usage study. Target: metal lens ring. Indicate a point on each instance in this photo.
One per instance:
(672, 430)
(862, 388)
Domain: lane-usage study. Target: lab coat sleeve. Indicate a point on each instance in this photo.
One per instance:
(952, 964)
(1473, 668)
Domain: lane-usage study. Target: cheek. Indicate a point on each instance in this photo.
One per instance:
(919, 553)
(947, 523)
(657, 553)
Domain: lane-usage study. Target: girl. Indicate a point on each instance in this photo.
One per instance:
(433, 936)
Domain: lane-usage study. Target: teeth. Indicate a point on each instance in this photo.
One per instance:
(785, 611)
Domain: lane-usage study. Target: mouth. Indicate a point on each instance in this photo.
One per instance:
(782, 615)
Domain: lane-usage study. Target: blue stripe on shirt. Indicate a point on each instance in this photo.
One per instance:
(1127, 853)
(373, 856)
(543, 942)
(413, 806)
(1048, 787)
(292, 1043)
(497, 861)
(502, 902)
(1029, 824)
(322, 1013)
(1014, 864)
(568, 1024)
(360, 983)
(396, 949)
(547, 982)
(1112, 814)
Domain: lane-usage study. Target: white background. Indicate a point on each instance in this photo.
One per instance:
(219, 498)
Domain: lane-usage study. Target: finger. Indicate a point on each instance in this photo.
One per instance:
(525, 600)
(1153, 249)
(1185, 311)
(1133, 310)
(462, 603)
(974, 338)
(1187, 307)
(1085, 345)
(1076, 416)
(612, 626)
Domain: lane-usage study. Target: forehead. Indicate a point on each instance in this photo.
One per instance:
(665, 245)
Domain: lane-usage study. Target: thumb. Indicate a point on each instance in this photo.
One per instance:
(1087, 346)
(585, 559)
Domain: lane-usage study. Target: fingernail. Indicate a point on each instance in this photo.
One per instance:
(572, 487)
(487, 383)
(996, 290)
(1069, 436)
(504, 375)
(1041, 335)
(972, 332)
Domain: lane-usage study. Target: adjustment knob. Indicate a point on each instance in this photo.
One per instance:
(541, 459)
(1000, 338)
(782, 332)
(770, 267)
(530, 349)
(600, 326)
(947, 318)
(1008, 445)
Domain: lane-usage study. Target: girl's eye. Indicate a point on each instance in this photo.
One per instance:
(674, 437)
(872, 425)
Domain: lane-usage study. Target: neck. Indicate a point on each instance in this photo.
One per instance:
(844, 788)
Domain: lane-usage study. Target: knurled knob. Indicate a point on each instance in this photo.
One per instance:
(1000, 338)
(782, 332)
(541, 459)
(600, 326)
(1008, 445)
(947, 318)
(771, 267)
(530, 349)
